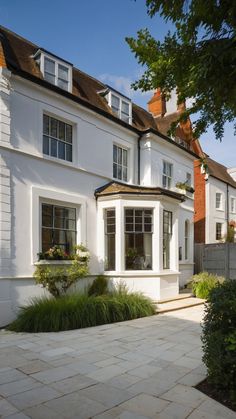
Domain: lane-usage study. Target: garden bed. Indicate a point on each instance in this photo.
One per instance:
(78, 311)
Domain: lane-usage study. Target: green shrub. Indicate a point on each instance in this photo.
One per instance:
(219, 337)
(99, 286)
(77, 311)
(202, 283)
(58, 279)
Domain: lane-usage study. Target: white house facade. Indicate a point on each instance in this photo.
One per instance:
(79, 163)
(215, 202)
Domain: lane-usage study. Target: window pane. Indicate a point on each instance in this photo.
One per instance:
(125, 174)
(62, 72)
(70, 213)
(54, 127)
(69, 133)
(114, 170)
(61, 130)
(49, 65)
(119, 155)
(70, 224)
(46, 215)
(50, 78)
(46, 239)
(115, 154)
(61, 150)
(125, 108)
(53, 147)
(125, 157)
(119, 172)
(68, 152)
(45, 145)
(46, 124)
(62, 84)
(59, 222)
(164, 181)
(59, 211)
(115, 103)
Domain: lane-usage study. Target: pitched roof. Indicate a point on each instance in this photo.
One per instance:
(219, 171)
(118, 188)
(19, 54)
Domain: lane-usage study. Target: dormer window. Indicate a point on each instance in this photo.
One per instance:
(54, 70)
(120, 105)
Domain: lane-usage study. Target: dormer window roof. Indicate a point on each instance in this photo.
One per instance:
(120, 104)
(55, 70)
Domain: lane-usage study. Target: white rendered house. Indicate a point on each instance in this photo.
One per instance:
(215, 201)
(80, 163)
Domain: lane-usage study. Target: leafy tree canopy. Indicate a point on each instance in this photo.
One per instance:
(198, 57)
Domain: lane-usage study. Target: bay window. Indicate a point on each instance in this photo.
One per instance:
(138, 238)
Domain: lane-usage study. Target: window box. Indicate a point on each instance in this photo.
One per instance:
(53, 262)
(184, 187)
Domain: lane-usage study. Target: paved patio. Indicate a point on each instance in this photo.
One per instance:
(134, 370)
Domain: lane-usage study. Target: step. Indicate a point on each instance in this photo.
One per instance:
(178, 297)
(179, 304)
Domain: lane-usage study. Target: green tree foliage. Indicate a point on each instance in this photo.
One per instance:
(198, 57)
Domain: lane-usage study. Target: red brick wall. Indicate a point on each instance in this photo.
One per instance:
(199, 204)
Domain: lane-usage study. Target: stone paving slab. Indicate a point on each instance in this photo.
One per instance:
(137, 369)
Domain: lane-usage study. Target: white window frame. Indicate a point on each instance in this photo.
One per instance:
(188, 179)
(121, 99)
(169, 178)
(42, 195)
(57, 62)
(186, 239)
(122, 166)
(219, 201)
(61, 205)
(232, 205)
(57, 139)
(221, 224)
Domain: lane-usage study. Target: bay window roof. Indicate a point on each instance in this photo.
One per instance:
(118, 188)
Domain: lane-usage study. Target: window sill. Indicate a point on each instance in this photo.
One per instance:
(149, 273)
(53, 262)
(57, 160)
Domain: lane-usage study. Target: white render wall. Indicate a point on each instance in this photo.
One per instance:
(28, 178)
(214, 215)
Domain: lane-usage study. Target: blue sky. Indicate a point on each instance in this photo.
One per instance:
(91, 35)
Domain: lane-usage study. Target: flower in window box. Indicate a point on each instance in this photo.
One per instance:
(185, 187)
(54, 253)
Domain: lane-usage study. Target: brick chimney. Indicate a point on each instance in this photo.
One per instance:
(157, 104)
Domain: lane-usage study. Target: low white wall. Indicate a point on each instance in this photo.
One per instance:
(186, 271)
(154, 287)
(17, 292)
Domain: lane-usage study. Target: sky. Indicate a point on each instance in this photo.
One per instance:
(91, 35)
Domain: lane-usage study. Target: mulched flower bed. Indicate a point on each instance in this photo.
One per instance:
(216, 394)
